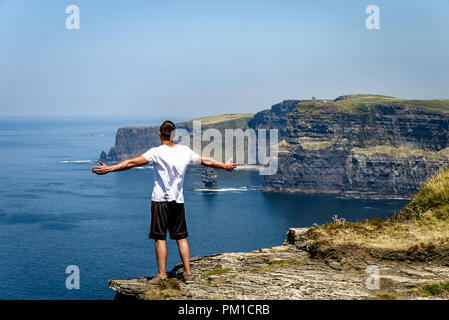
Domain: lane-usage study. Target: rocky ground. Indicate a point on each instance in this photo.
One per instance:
(289, 272)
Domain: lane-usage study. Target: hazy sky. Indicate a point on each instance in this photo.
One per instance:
(197, 58)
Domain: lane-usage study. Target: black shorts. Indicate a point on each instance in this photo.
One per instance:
(168, 215)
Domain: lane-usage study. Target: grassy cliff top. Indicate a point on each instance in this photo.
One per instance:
(224, 121)
(225, 118)
(422, 224)
(357, 103)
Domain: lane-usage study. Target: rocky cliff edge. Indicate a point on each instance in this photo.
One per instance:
(289, 272)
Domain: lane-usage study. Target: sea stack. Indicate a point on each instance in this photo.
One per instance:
(209, 178)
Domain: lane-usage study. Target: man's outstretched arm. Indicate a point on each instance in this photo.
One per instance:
(124, 165)
(212, 163)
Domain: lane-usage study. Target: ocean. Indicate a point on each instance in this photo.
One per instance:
(54, 212)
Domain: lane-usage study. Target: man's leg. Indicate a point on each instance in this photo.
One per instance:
(184, 252)
(161, 255)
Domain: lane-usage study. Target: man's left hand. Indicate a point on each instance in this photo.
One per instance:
(103, 169)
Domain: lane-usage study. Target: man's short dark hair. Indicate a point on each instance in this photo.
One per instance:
(166, 129)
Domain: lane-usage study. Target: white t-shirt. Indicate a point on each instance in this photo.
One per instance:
(170, 165)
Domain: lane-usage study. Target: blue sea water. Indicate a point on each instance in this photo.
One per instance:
(54, 212)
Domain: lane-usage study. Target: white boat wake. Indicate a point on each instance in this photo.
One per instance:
(78, 161)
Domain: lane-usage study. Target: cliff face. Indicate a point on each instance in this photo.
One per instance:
(353, 146)
(384, 176)
(131, 142)
(375, 150)
(274, 118)
(378, 124)
(350, 174)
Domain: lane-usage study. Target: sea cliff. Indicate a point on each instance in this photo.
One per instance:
(360, 146)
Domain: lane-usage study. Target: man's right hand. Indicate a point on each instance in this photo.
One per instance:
(124, 165)
(209, 162)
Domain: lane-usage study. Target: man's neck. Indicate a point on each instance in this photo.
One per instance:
(168, 143)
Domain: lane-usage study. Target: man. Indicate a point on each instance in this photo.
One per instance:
(170, 162)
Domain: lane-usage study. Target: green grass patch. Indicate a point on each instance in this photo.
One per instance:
(225, 121)
(435, 289)
(316, 145)
(164, 289)
(361, 103)
(168, 284)
(222, 280)
(217, 271)
(388, 296)
(217, 297)
(224, 117)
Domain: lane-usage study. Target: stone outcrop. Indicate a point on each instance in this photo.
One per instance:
(288, 272)
(209, 178)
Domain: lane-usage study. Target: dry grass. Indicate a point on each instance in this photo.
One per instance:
(157, 294)
(387, 235)
(423, 223)
(168, 284)
(282, 147)
(431, 201)
(165, 289)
